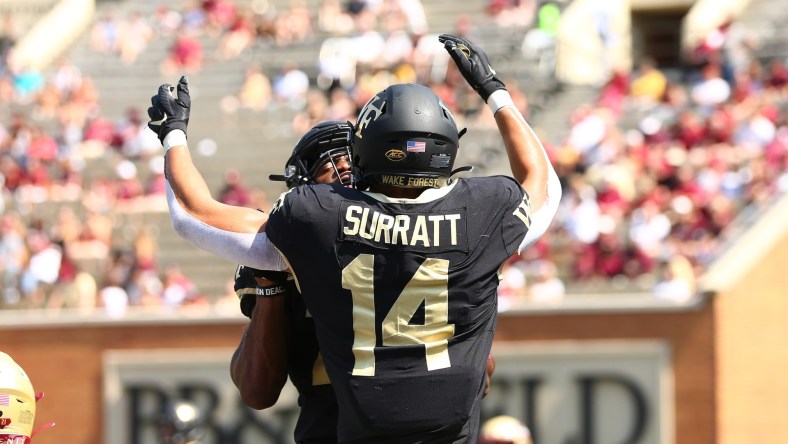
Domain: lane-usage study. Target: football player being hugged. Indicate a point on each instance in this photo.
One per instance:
(280, 338)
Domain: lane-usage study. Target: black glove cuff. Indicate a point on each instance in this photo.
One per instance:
(490, 87)
(169, 126)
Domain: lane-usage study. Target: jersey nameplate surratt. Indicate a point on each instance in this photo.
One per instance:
(420, 232)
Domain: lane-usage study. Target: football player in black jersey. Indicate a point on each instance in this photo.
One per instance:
(280, 338)
(401, 278)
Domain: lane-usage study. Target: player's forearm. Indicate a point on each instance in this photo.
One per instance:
(527, 158)
(259, 365)
(195, 198)
(250, 249)
(186, 181)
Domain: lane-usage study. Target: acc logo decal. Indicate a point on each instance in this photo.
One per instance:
(395, 155)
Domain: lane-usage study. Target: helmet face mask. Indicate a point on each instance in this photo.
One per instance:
(17, 402)
(405, 136)
(325, 142)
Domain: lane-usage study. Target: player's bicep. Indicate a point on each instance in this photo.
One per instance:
(540, 219)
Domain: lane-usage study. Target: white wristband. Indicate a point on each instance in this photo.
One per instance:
(499, 99)
(174, 138)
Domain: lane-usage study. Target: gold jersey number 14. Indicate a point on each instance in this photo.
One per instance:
(429, 285)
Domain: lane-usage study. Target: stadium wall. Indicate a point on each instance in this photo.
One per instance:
(750, 283)
(73, 363)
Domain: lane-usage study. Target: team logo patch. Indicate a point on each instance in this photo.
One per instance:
(395, 155)
(416, 147)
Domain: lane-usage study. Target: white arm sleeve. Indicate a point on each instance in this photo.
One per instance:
(251, 250)
(542, 217)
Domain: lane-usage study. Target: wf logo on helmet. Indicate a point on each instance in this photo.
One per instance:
(370, 113)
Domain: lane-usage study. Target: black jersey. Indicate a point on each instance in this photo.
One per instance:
(402, 292)
(317, 421)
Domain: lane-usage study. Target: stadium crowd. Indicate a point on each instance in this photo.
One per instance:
(653, 170)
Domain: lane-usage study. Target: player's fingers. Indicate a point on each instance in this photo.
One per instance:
(454, 51)
(443, 38)
(164, 91)
(464, 50)
(183, 88)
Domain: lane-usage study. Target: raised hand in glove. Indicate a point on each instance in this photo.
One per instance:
(170, 109)
(251, 283)
(473, 65)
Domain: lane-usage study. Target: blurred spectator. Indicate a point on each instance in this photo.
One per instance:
(104, 36)
(545, 287)
(8, 37)
(512, 284)
(149, 289)
(234, 192)
(219, 15)
(67, 78)
(114, 300)
(178, 289)
(167, 21)
(129, 187)
(27, 82)
(677, 281)
(185, 55)
(316, 111)
(13, 256)
(337, 63)
(511, 13)
(236, 38)
(156, 184)
(135, 33)
(82, 293)
(711, 90)
(42, 270)
(42, 146)
(145, 251)
(255, 93)
(227, 302)
(414, 15)
(398, 45)
(332, 19)
(291, 86)
(649, 83)
(649, 228)
(192, 18)
(368, 43)
(293, 25)
(539, 41)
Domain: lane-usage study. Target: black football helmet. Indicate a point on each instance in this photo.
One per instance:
(323, 143)
(405, 136)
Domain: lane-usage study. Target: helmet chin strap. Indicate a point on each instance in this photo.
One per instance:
(461, 170)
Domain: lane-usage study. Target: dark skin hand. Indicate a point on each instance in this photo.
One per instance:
(490, 371)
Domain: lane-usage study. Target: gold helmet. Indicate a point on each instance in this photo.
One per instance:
(17, 403)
